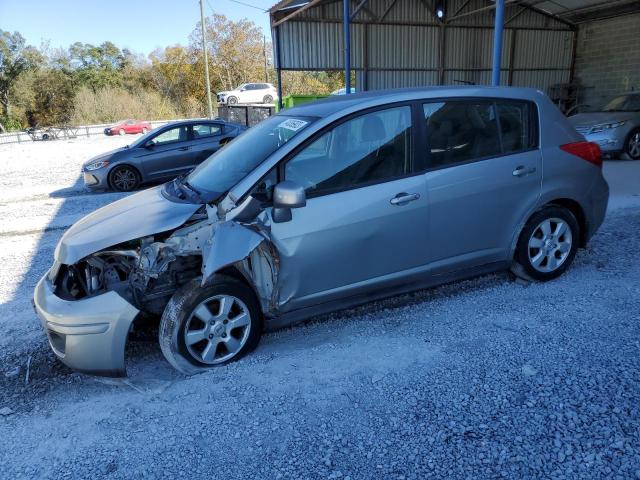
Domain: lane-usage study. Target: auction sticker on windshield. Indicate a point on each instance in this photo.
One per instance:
(293, 124)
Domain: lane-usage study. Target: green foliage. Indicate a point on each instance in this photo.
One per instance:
(111, 104)
(15, 58)
(94, 84)
(10, 123)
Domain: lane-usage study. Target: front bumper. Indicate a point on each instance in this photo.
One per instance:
(611, 141)
(88, 335)
(96, 179)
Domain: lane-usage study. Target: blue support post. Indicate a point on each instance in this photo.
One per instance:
(497, 43)
(276, 38)
(347, 46)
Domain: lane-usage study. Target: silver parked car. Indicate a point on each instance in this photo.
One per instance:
(614, 127)
(321, 207)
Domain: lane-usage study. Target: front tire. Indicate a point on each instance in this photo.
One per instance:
(632, 145)
(124, 178)
(144, 130)
(121, 132)
(547, 244)
(203, 327)
(232, 101)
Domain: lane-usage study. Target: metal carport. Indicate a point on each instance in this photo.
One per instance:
(396, 43)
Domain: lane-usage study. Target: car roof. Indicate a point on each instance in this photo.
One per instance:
(333, 104)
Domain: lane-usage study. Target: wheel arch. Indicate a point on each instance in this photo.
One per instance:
(576, 209)
(124, 164)
(570, 204)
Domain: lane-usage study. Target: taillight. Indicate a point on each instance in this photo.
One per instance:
(588, 151)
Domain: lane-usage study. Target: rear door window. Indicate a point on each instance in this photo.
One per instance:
(515, 127)
(461, 131)
(203, 130)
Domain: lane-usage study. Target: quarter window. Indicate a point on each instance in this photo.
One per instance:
(367, 149)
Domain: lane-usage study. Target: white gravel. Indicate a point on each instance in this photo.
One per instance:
(486, 378)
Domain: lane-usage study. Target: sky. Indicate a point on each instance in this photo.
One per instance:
(139, 26)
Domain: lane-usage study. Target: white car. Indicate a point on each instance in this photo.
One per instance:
(249, 93)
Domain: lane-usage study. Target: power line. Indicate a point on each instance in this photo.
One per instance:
(241, 3)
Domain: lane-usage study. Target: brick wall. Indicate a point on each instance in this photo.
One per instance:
(608, 58)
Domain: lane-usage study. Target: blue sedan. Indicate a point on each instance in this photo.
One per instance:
(160, 155)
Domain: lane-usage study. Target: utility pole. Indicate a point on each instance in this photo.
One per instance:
(264, 51)
(206, 62)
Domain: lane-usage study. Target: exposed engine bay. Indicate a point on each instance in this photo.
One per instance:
(147, 271)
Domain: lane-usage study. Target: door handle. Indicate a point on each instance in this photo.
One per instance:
(184, 149)
(521, 171)
(404, 198)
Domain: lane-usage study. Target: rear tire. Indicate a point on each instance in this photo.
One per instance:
(547, 244)
(267, 99)
(203, 327)
(124, 178)
(144, 130)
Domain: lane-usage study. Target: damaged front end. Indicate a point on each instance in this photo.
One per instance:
(139, 276)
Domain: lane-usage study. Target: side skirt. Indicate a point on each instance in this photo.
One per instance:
(296, 316)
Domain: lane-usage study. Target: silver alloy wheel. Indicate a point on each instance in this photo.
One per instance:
(550, 245)
(144, 130)
(121, 131)
(633, 149)
(213, 338)
(124, 179)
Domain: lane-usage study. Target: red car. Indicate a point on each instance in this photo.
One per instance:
(128, 126)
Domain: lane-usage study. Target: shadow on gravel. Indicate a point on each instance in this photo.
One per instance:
(28, 369)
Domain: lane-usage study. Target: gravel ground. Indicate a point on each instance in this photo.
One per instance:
(484, 378)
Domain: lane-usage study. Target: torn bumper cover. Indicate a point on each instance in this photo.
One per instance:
(88, 335)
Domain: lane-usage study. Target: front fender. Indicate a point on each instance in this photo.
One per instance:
(231, 243)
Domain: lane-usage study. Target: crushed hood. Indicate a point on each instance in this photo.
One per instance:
(139, 215)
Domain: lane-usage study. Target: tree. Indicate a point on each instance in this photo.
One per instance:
(15, 58)
(98, 67)
(235, 51)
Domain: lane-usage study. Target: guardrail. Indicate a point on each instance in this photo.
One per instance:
(54, 133)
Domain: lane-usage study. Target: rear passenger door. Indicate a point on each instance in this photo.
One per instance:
(485, 172)
(205, 140)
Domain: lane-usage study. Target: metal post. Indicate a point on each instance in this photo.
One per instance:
(276, 39)
(497, 43)
(206, 62)
(347, 47)
(264, 52)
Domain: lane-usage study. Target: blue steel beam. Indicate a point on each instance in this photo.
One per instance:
(347, 46)
(497, 43)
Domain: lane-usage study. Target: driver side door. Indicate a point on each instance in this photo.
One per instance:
(364, 226)
(168, 155)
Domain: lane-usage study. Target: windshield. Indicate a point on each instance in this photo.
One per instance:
(623, 103)
(229, 165)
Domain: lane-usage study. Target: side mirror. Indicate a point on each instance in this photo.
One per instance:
(149, 144)
(287, 195)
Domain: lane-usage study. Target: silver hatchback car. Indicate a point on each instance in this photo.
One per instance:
(321, 207)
